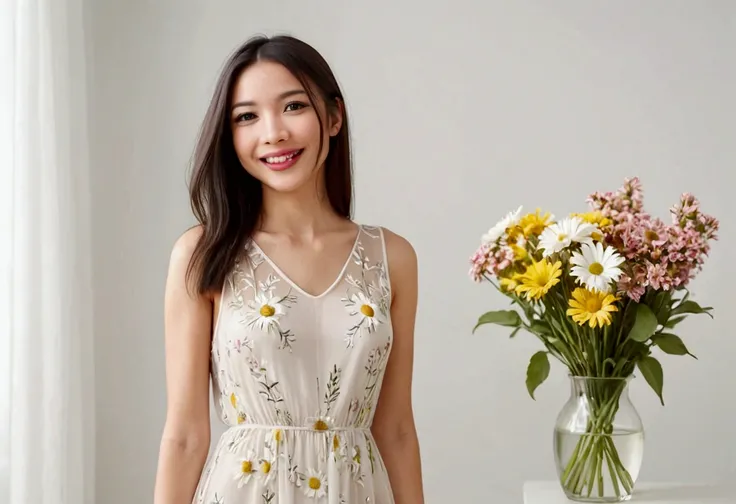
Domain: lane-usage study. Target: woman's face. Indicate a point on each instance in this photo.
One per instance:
(276, 130)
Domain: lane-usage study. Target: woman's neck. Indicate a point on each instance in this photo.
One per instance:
(303, 213)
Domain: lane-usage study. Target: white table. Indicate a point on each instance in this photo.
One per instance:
(549, 492)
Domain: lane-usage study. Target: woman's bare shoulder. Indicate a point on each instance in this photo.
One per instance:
(186, 242)
(400, 251)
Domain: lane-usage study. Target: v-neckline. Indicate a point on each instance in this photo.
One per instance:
(296, 286)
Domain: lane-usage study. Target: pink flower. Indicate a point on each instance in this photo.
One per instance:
(658, 255)
(490, 258)
(657, 277)
(633, 284)
(628, 199)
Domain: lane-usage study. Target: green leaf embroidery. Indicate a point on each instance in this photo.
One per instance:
(651, 369)
(537, 372)
(508, 318)
(644, 325)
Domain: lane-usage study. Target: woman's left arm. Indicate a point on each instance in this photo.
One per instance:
(393, 424)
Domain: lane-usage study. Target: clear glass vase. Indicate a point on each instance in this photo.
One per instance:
(598, 441)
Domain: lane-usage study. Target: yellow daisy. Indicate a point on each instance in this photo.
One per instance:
(593, 307)
(516, 240)
(595, 217)
(533, 224)
(509, 284)
(520, 253)
(539, 278)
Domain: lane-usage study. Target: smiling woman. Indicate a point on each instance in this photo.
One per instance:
(303, 319)
(270, 135)
(268, 88)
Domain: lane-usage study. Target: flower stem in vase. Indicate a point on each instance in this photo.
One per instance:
(598, 468)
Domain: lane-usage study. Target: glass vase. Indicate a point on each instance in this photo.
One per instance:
(598, 441)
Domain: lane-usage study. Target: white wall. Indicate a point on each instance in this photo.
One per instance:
(460, 111)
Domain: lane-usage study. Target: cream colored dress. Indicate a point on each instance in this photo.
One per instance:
(296, 378)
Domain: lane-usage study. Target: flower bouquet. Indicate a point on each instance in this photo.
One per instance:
(602, 291)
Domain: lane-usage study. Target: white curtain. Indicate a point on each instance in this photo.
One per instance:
(46, 376)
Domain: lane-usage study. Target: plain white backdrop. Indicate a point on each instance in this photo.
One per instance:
(460, 112)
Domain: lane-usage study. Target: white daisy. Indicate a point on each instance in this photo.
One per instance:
(315, 485)
(338, 448)
(562, 234)
(596, 266)
(368, 310)
(499, 229)
(245, 469)
(320, 423)
(265, 311)
(266, 467)
(274, 436)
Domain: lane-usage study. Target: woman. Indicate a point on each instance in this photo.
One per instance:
(291, 307)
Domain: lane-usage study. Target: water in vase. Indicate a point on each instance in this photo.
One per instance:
(593, 467)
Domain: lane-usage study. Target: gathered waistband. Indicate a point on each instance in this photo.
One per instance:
(299, 428)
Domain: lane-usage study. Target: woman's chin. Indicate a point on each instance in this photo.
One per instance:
(283, 182)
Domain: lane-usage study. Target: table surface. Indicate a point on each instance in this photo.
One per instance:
(549, 492)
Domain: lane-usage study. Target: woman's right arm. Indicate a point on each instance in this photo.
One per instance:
(186, 435)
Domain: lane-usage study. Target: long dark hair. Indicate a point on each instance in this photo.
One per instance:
(225, 198)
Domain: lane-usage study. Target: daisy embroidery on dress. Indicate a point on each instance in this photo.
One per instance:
(316, 484)
(367, 298)
(265, 312)
(367, 315)
(266, 467)
(320, 423)
(338, 448)
(245, 469)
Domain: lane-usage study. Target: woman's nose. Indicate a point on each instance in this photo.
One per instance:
(274, 130)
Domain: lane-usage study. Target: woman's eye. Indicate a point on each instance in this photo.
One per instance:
(247, 116)
(295, 106)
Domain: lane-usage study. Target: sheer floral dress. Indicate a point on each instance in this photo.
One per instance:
(296, 378)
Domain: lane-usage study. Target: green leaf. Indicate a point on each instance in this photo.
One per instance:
(651, 370)
(537, 371)
(540, 327)
(513, 333)
(671, 344)
(661, 306)
(620, 365)
(692, 307)
(508, 318)
(644, 325)
(671, 323)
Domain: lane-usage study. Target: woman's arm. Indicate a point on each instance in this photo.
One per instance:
(393, 425)
(186, 435)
